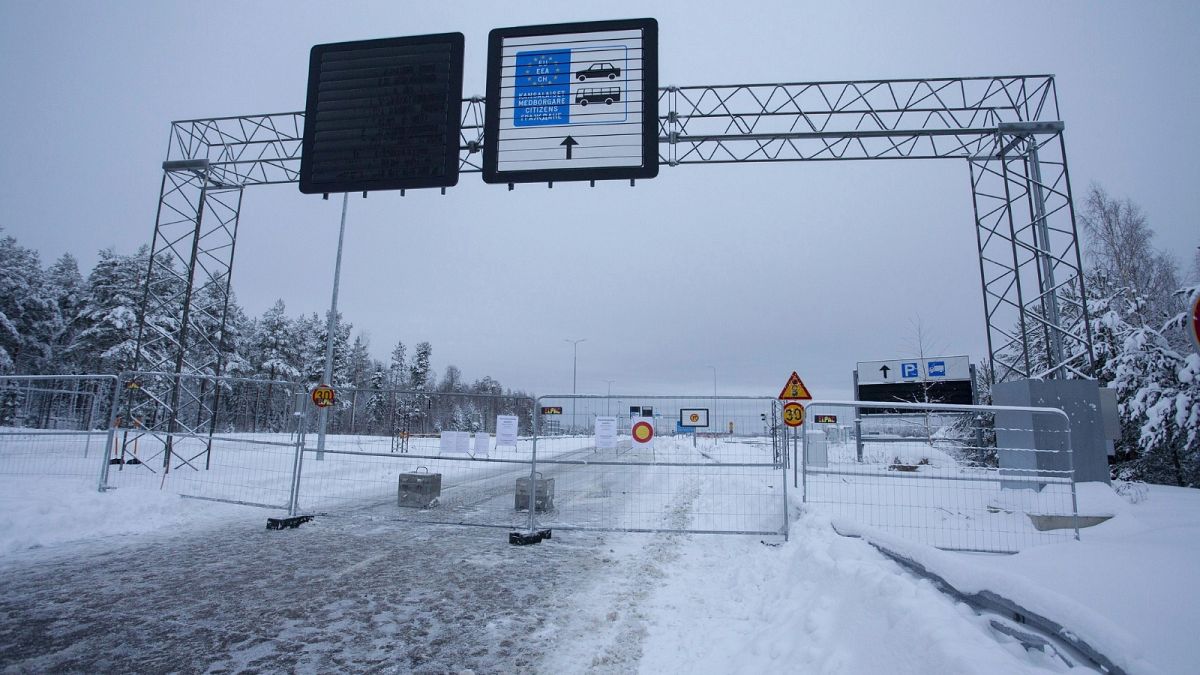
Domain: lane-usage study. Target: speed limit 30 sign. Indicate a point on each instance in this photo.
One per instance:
(793, 414)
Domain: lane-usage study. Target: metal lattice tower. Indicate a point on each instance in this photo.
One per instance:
(1007, 128)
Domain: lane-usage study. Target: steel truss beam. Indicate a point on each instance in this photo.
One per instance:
(1007, 128)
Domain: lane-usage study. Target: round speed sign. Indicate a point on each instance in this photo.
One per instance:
(322, 396)
(793, 414)
(1194, 324)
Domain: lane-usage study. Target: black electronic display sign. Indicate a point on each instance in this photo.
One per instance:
(383, 114)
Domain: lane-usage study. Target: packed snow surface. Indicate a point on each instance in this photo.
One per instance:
(136, 579)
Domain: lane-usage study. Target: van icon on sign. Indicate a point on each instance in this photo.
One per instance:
(605, 95)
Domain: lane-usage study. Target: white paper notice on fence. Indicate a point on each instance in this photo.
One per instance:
(606, 432)
(482, 443)
(506, 430)
(462, 442)
(446, 443)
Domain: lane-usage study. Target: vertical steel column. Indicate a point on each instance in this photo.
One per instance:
(181, 355)
(1044, 253)
(330, 329)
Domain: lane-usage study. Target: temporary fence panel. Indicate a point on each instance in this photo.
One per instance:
(976, 478)
(55, 425)
(403, 443)
(238, 442)
(667, 464)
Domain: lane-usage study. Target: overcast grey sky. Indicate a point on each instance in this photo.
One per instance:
(755, 270)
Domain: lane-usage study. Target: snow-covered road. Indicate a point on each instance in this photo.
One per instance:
(365, 592)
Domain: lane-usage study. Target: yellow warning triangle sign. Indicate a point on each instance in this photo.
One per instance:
(795, 390)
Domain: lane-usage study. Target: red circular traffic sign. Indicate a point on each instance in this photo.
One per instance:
(643, 432)
(793, 414)
(323, 396)
(1195, 322)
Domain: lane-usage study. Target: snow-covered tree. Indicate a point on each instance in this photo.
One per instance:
(69, 290)
(28, 312)
(107, 339)
(360, 361)
(1159, 393)
(419, 374)
(398, 369)
(277, 351)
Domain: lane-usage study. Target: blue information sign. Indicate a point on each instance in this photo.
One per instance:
(908, 370)
(543, 88)
(936, 368)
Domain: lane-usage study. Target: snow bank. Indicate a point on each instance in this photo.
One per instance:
(38, 512)
(1128, 588)
(821, 604)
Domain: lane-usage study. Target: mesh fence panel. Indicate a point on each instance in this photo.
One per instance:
(940, 476)
(385, 450)
(711, 464)
(54, 425)
(236, 442)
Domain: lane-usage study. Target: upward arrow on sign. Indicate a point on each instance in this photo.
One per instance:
(795, 390)
(569, 143)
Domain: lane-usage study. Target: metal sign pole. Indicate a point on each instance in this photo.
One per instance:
(331, 327)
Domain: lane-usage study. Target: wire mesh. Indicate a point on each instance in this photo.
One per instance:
(711, 464)
(965, 478)
(384, 449)
(236, 440)
(54, 426)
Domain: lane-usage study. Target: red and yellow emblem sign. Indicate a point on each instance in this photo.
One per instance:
(323, 396)
(793, 414)
(643, 432)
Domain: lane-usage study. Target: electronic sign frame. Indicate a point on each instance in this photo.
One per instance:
(383, 114)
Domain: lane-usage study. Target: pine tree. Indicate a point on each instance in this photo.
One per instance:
(68, 289)
(277, 352)
(398, 371)
(419, 374)
(28, 313)
(108, 319)
(360, 361)
(1159, 393)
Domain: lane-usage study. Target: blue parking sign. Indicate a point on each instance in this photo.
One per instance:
(936, 368)
(908, 370)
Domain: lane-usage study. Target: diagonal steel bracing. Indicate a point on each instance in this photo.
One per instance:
(1007, 128)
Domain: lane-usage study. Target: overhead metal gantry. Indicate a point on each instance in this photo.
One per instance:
(1007, 128)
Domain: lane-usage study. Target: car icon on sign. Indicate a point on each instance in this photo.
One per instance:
(600, 70)
(605, 95)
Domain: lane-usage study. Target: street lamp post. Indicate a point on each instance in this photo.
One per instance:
(713, 415)
(574, 376)
(608, 401)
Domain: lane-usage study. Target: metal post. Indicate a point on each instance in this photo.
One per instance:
(713, 415)
(1071, 459)
(1049, 288)
(298, 461)
(804, 460)
(111, 437)
(858, 444)
(331, 327)
(533, 467)
(796, 459)
(574, 378)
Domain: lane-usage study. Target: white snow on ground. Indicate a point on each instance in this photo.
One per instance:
(820, 604)
(712, 604)
(1129, 587)
(48, 511)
